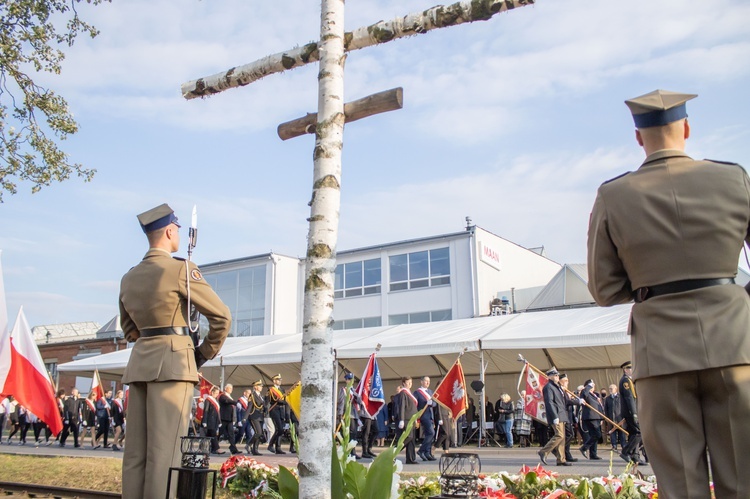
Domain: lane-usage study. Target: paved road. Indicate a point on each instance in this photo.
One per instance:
(493, 459)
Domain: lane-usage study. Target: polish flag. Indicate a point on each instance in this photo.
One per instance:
(96, 385)
(23, 374)
(451, 392)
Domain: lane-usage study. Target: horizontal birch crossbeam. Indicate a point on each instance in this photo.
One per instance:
(440, 16)
(382, 102)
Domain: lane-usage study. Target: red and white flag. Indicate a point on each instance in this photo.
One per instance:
(370, 388)
(23, 374)
(205, 390)
(451, 392)
(96, 385)
(534, 403)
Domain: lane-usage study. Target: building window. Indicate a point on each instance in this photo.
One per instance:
(357, 323)
(420, 269)
(244, 292)
(357, 279)
(417, 317)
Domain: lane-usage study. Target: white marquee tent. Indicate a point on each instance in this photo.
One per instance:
(586, 342)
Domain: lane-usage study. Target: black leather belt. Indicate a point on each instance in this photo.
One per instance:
(163, 331)
(646, 292)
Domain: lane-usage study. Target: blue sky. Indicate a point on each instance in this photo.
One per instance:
(513, 121)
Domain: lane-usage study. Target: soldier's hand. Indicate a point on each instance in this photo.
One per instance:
(66, 422)
(85, 423)
(400, 425)
(199, 358)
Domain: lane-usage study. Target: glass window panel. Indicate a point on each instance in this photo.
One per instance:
(440, 262)
(418, 266)
(441, 315)
(372, 272)
(353, 275)
(353, 292)
(395, 320)
(397, 286)
(372, 290)
(353, 324)
(244, 299)
(338, 294)
(226, 280)
(229, 297)
(257, 328)
(399, 268)
(338, 325)
(423, 283)
(439, 281)
(338, 277)
(418, 317)
(372, 322)
(259, 276)
(246, 277)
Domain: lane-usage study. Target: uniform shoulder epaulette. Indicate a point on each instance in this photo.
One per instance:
(615, 178)
(722, 162)
(179, 258)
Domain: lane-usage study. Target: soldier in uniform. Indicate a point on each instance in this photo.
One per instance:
(162, 369)
(255, 414)
(629, 413)
(669, 236)
(277, 411)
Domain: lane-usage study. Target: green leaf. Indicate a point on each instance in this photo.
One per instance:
(380, 475)
(288, 484)
(337, 478)
(354, 479)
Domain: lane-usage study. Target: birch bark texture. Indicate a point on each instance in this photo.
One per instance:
(440, 16)
(316, 423)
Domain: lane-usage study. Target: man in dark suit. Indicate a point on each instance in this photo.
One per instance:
(211, 421)
(71, 417)
(427, 419)
(406, 405)
(163, 367)
(613, 410)
(556, 408)
(278, 412)
(228, 414)
(592, 420)
(669, 237)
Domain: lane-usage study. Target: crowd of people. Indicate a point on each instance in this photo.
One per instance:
(94, 417)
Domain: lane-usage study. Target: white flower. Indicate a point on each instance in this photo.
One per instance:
(394, 485)
(399, 466)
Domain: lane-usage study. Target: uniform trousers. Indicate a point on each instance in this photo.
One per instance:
(411, 454)
(634, 438)
(593, 429)
(683, 414)
(556, 444)
(277, 416)
(158, 415)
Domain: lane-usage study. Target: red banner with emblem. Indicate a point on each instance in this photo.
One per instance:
(534, 402)
(205, 389)
(451, 392)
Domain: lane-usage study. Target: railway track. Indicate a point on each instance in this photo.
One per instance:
(14, 489)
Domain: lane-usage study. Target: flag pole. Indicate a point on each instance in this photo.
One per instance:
(529, 364)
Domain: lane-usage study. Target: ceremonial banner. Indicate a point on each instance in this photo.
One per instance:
(204, 390)
(294, 399)
(96, 385)
(24, 376)
(534, 403)
(370, 388)
(451, 392)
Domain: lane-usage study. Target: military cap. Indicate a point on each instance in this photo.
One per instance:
(278, 376)
(588, 382)
(563, 376)
(156, 218)
(626, 365)
(258, 383)
(349, 376)
(658, 108)
(552, 372)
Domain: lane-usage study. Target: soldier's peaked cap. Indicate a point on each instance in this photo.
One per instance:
(626, 365)
(258, 383)
(278, 376)
(658, 108)
(156, 218)
(552, 372)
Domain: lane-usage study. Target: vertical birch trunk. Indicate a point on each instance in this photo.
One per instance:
(316, 425)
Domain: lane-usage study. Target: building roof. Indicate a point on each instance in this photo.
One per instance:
(70, 331)
(569, 287)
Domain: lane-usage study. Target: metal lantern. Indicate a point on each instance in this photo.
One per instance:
(192, 475)
(459, 474)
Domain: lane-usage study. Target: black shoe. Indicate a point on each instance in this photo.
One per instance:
(640, 463)
(77, 445)
(583, 451)
(97, 447)
(595, 458)
(220, 452)
(431, 457)
(571, 459)
(422, 456)
(115, 447)
(542, 457)
(565, 464)
(270, 449)
(410, 462)
(256, 453)
(279, 451)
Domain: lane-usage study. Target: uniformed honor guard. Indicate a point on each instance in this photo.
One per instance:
(629, 412)
(277, 411)
(669, 236)
(255, 414)
(162, 369)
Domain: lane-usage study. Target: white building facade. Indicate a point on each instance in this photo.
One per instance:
(451, 276)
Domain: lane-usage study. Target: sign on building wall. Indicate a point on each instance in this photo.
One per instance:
(489, 255)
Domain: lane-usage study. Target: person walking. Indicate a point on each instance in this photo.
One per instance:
(668, 236)
(71, 418)
(157, 300)
(405, 406)
(88, 417)
(255, 414)
(103, 415)
(592, 420)
(504, 411)
(211, 421)
(228, 413)
(118, 421)
(427, 419)
(278, 412)
(556, 404)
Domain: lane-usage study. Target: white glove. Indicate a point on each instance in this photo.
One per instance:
(204, 425)
(286, 426)
(440, 422)
(400, 425)
(555, 421)
(581, 401)
(85, 424)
